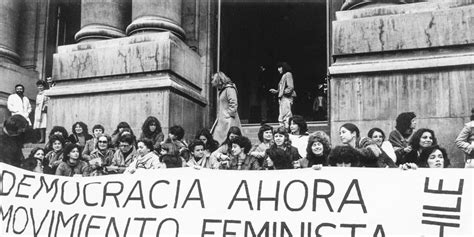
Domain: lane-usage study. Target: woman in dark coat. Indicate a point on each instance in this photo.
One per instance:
(281, 142)
(227, 115)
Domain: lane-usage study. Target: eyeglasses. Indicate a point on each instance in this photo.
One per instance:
(122, 145)
(102, 141)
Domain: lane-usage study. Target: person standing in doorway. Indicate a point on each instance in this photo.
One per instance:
(19, 104)
(41, 110)
(286, 93)
(227, 115)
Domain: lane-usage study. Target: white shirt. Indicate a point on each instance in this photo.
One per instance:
(20, 106)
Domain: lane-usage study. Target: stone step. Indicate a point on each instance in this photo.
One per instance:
(251, 130)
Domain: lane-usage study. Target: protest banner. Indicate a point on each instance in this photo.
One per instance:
(188, 202)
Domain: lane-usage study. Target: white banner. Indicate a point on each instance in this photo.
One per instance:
(187, 202)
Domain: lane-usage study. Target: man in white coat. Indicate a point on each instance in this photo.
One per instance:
(19, 104)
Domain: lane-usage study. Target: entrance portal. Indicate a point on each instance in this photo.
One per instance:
(257, 34)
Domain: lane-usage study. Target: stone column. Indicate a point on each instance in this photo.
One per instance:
(156, 16)
(102, 20)
(9, 25)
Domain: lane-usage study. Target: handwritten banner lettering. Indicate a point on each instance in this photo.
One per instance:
(187, 202)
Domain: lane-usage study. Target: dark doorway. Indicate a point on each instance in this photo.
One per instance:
(261, 33)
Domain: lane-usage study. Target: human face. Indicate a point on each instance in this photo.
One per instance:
(142, 149)
(343, 164)
(152, 127)
(203, 139)
(39, 154)
(78, 129)
(346, 135)
(267, 135)
(413, 123)
(124, 147)
(198, 151)
(49, 80)
(97, 132)
(426, 140)
(436, 159)
(232, 136)
(74, 154)
(317, 148)
(102, 143)
(19, 90)
(279, 139)
(377, 138)
(120, 130)
(57, 145)
(280, 70)
(40, 88)
(294, 128)
(236, 149)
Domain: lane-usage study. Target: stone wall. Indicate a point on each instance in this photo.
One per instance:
(412, 57)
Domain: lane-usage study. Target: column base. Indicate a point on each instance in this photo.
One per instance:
(155, 23)
(9, 55)
(98, 32)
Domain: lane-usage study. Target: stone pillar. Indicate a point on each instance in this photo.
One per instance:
(156, 16)
(9, 15)
(102, 20)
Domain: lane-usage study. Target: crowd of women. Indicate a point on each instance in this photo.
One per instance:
(84, 154)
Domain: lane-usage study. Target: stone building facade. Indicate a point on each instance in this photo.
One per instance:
(123, 60)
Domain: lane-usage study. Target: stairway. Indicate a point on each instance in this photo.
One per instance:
(251, 130)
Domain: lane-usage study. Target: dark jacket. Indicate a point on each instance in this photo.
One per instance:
(68, 169)
(10, 147)
(74, 139)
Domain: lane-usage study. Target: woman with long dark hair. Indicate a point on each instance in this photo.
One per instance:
(369, 151)
(298, 133)
(286, 93)
(210, 145)
(421, 139)
(80, 135)
(151, 130)
(434, 157)
(223, 152)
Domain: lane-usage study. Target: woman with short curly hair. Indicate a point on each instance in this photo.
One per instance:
(239, 159)
(317, 150)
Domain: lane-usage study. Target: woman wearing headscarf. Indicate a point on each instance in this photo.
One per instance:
(227, 116)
